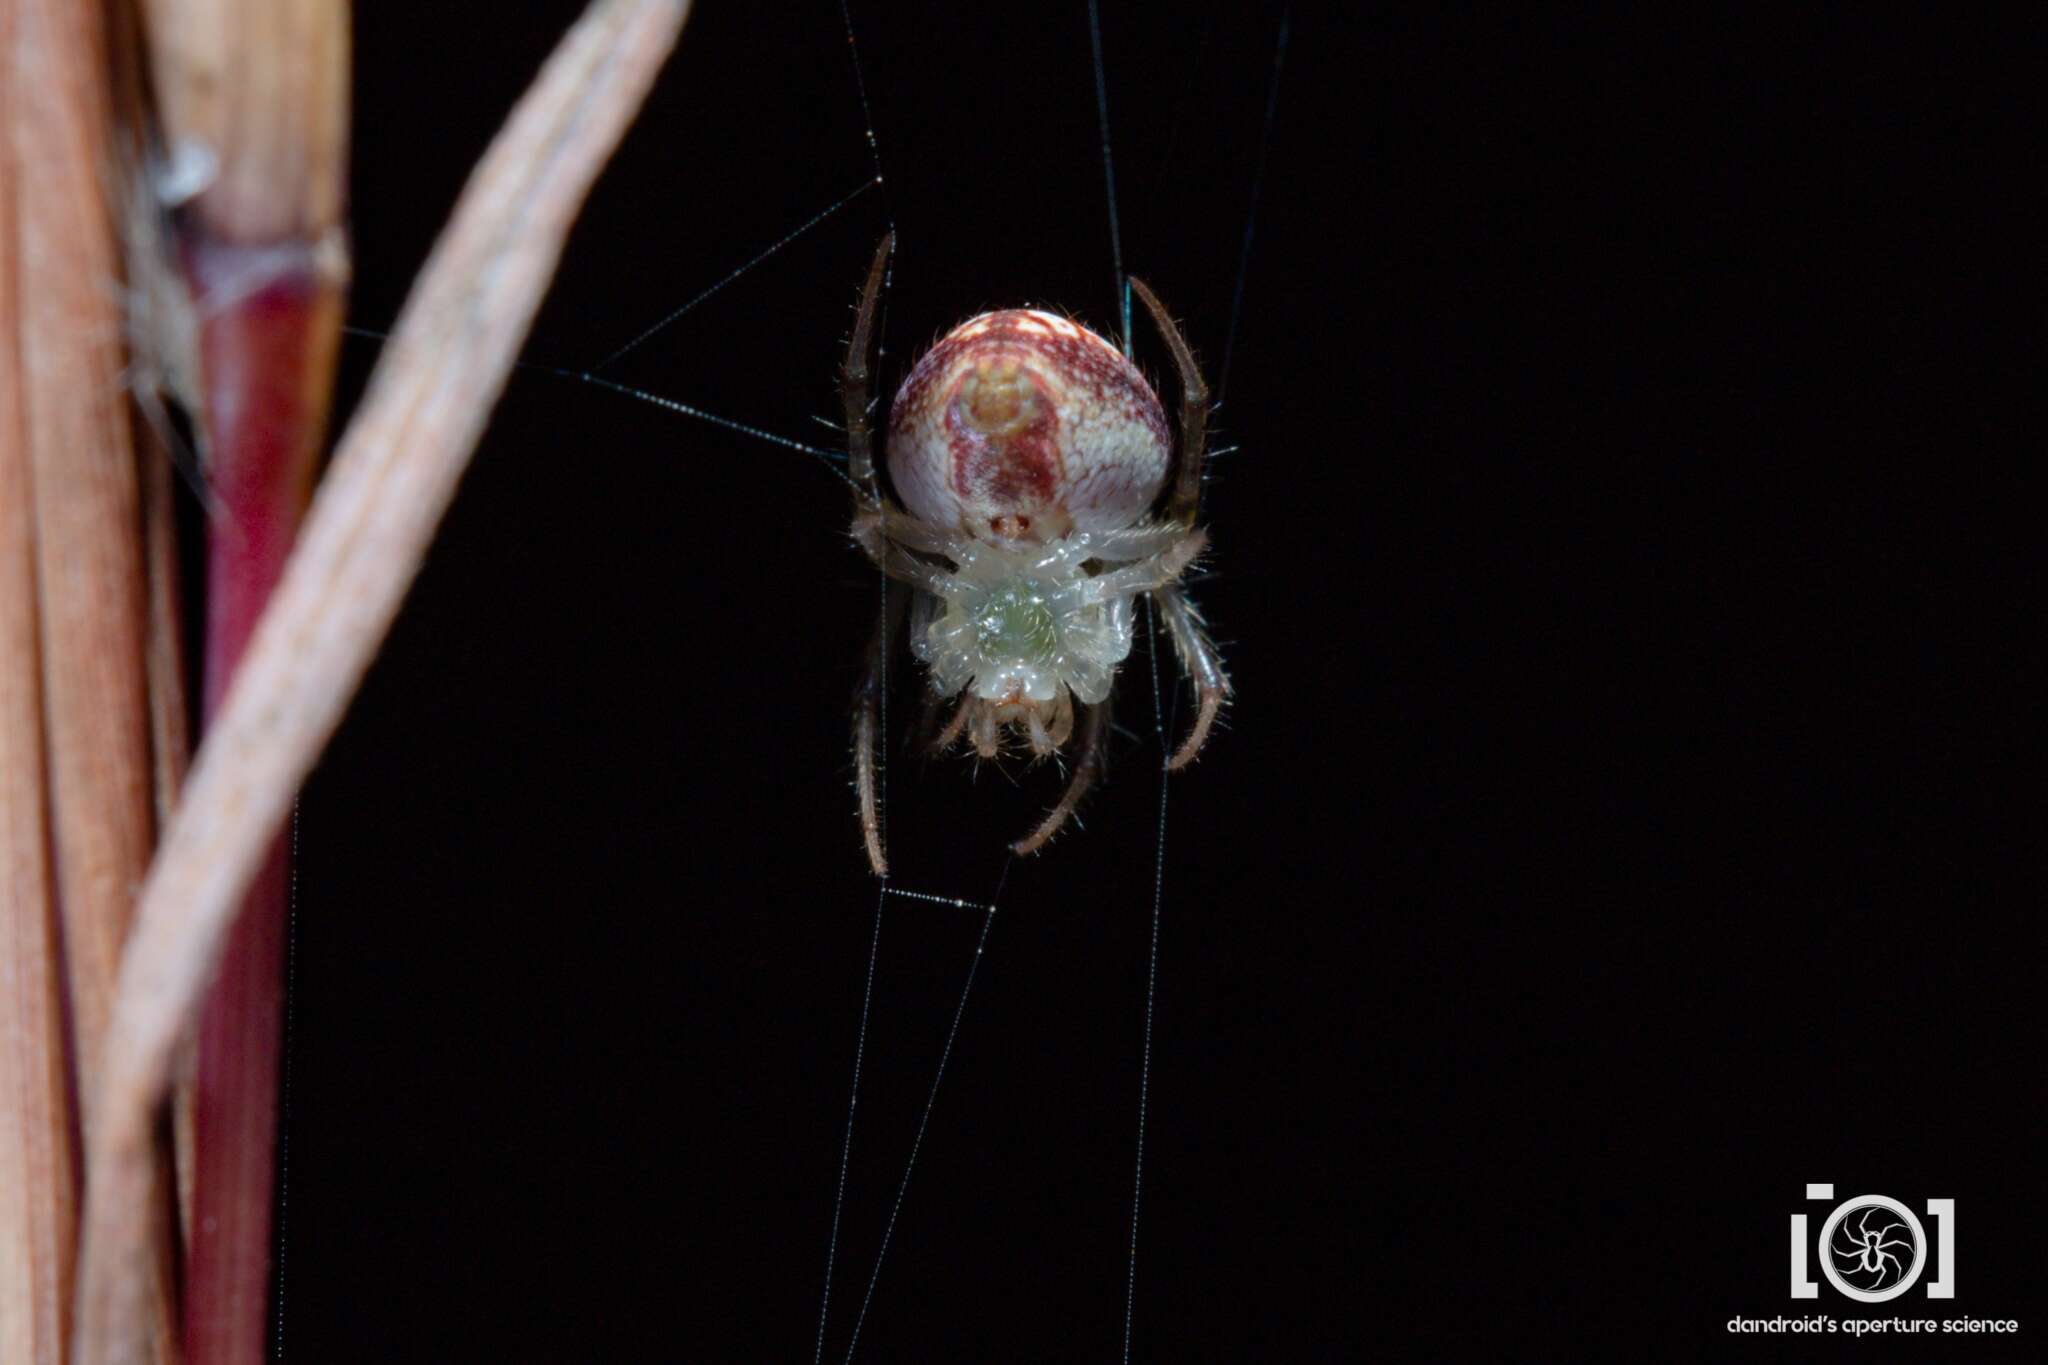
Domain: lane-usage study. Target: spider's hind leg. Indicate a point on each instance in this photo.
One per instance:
(1199, 660)
(868, 701)
(1088, 765)
(867, 709)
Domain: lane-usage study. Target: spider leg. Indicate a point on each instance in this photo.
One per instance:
(1062, 719)
(946, 737)
(855, 377)
(867, 733)
(1185, 503)
(982, 728)
(1087, 767)
(1041, 738)
(1199, 660)
(893, 560)
(1133, 543)
(907, 530)
(1149, 575)
(866, 736)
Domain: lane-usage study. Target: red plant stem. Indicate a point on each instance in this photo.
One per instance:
(266, 352)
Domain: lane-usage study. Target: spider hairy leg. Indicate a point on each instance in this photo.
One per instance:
(892, 559)
(866, 723)
(867, 711)
(1146, 540)
(1063, 720)
(1186, 503)
(982, 730)
(1094, 742)
(948, 736)
(1200, 661)
(1041, 737)
(867, 726)
(855, 377)
(1149, 575)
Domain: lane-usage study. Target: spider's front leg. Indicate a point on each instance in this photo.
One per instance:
(855, 379)
(1184, 503)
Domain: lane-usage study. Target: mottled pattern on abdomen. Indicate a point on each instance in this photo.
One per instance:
(1020, 425)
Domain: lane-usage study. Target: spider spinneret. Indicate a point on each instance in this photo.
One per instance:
(1028, 453)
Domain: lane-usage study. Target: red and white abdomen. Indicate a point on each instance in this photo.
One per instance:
(1020, 425)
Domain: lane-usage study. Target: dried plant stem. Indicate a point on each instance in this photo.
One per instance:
(391, 481)
(262, 86)
(85, 503)
(38, 1179)
(38, 1175)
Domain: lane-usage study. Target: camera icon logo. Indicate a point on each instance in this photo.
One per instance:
(1873, 1248)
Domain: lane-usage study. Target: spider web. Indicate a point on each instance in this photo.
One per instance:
(850, 1286)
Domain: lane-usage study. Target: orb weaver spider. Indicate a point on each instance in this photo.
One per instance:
(1027, 452)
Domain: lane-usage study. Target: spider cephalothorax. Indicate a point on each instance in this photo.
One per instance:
(1028, 453)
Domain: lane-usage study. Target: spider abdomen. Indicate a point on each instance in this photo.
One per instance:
(1023, 426)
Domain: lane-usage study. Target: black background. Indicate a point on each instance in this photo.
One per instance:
(1619, 824)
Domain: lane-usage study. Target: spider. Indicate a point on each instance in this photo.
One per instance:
(1869, 1250)
(1027, 452)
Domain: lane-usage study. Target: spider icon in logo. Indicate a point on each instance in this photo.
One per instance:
(1872, 1248)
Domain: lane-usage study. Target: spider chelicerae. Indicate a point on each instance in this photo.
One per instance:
(1027, 453)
